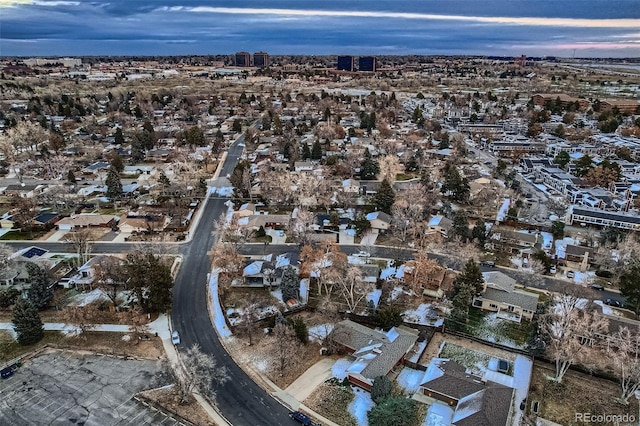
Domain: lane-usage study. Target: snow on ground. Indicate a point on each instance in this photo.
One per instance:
(304, 291)
(360, 405)
(547, 240)
(277, 294)
(84, 299)
(215, 308)
(561, 246)
(423, 314)
(419, 350)
(339, 369)
(374, 296)
(517, 261)
(583, 277)
(606, 310)
(397, 291)
(225, 191)
(319, 332)
(522, 368)
(438, 414)
(409, 380)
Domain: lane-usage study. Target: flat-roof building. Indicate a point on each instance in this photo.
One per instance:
(261, 59)
(243, 59)
(345, 63)
(367, 63)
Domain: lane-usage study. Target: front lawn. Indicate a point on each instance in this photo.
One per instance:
(23, 235)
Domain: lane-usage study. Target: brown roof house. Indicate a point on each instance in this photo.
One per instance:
(514, 242)
(462, 398)
(374, 353)
(380, 221)
(88, 220)
(501, 296)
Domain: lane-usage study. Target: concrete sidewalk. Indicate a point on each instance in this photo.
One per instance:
(317, 374)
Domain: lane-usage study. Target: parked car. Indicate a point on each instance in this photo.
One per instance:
(597, 287)
(6, 373)
(613, 302)
(553, 269)
(302, 418)
(571, 274)
(489, 263)
(175, 337)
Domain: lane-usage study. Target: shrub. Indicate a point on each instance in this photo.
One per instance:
(389, 317)
(300, 328)
(396, 410)
(8, 297)
(604, 274)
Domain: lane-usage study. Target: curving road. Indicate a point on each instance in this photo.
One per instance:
(240, 400)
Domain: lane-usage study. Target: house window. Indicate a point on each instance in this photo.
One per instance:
(477, 302)
(493, 305)
(510, 309)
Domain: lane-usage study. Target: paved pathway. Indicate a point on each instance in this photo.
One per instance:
(304, 385)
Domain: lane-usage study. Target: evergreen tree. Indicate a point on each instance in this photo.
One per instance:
(41, 292)
(316, 150)
(479, 233)
(393, 411)
(460, 225)
(306, 152)
(562, 159)
(114, 185)
(381, 389)
(119, 137)
(369, 167)
(301, 330)
(26, 322)
(630, 288)
(290, 284)
(472, 277)
(71, 177)
(194, 136)
(385, 197)
(150, 279)
(454, 185)
(116, 161)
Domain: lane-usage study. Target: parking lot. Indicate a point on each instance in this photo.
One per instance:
(63, 387)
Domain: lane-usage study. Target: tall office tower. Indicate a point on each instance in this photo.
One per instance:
(261, 60)
(367, 63)
(243, 59)
(345, 63)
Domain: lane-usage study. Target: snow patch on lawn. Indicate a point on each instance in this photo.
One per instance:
(374, 296)
(277, 294)
(438, 414)
(339, 369)
(397, 291)
(423, 314)
(84, 299)
(360, 406)
(225, 191)
(491, 330)
(319, 332)
(409, 380)
(214, 305)
(304, 291)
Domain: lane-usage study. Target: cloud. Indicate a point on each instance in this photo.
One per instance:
(306, 13)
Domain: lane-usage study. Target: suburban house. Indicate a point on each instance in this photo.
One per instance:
(266, 221)
(374, 353)
(23, 191)
(130, 223)
(84, 276)
(86, 220)
(433, 281)
(580, 215)
(440, 225)
(462, 398)
(501, 296)
(247, 209)
(46, 219)
(578, 257)
(266, 271)
(514, 242)
(380, 221)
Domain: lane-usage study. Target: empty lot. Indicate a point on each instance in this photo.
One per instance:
(63, 387)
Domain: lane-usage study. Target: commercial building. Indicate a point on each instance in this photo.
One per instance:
(261, 60)
(367, 63)
(345, 63)
(243, 59)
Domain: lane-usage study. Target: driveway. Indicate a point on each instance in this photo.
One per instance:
(317, 374)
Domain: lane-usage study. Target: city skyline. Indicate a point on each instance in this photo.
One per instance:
(588, 28)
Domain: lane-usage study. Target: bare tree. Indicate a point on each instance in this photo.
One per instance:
(301, 226)
(109, 275)
(198, 372)
(571, 333)
(80, 241)
(284, 346)
(406, 213)
(623, 347)
(82, 318)
(389, 167)
(249, 314)
(353, 287)
(423, 269)
(137, 324)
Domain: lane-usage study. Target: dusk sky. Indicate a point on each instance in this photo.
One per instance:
(586, 28)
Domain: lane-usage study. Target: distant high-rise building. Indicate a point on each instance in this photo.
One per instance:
(243, 59)
(261, 60)
(345, 63)
(367, 63)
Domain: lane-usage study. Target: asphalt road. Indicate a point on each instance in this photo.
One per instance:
(240, 400)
